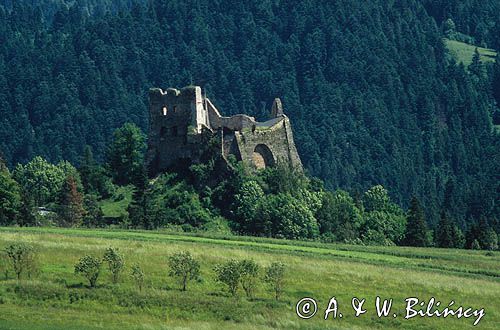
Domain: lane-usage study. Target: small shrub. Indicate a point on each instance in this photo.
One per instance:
(249, 273)
(4, 268)
(476, 245)
(22, 259)
(115, 263)
(138, 276)
(89, 267)
(229, 273)
(184, 267)
(275, 276)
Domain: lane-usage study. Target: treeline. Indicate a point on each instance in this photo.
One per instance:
(371, 94)
(276, 202)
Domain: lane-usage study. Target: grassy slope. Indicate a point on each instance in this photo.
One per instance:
(116, 206)
(318, 270)
(463, 52)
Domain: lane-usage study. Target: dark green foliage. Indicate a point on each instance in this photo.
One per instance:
(481, 235)
(115, 262)
(448, 235)
(495, 86)
(416, 227)
(27, 211)
(275, 277)
(229, 273)
(126, 153)
(489, 240)
(476, 18)
(246, 205)
(10, 197)
(89, 267)
(444, 236)
(339, 216)
(476, 66)
(137, 208)
(284, 216)
(22, 258)
(170, 202)
(94, 177)
(93, 215)
(183, 267)
(372, 97)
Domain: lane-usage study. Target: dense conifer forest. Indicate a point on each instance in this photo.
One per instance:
(373, 94)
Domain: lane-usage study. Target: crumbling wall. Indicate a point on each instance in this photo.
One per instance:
(182, 121)
(278, 139)
(176, 117)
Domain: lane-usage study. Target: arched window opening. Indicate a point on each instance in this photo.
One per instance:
(262, 157)
(165, 110)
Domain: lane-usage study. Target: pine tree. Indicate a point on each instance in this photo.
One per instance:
(416, 227)
(457, 237)
(87, 169)
(137, 208)
(94, 177)
(93, 213)
(444, 234)
(70, 206)
(476, 66)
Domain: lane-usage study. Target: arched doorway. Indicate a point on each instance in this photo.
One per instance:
(262, 157)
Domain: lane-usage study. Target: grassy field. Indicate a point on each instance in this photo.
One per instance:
(116, 206)
(463, 52)
(58, 299)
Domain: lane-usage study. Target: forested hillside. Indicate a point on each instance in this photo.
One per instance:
(371, 93)
(476, 18)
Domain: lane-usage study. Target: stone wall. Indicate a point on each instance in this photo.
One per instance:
(278, 139)
(182, 122)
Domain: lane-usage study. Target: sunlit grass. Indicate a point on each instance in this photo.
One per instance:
(314, 269)
(463, 52)
(116, 205)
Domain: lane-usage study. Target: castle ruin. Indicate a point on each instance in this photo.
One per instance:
(182, 122)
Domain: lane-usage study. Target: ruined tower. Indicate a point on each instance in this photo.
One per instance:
(183, 121)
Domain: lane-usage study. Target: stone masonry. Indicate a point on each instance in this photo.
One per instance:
(182, 122)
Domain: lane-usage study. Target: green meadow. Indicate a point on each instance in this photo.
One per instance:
(463, 52)
(56, 298)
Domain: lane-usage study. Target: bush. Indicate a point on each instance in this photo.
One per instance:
(249, 273)
(475, 245)
(229, 273)
(4, 268)
(184, 267)
(115, 263)
(138, 276)
(90, 268)
(275, 276)
(22, 259)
